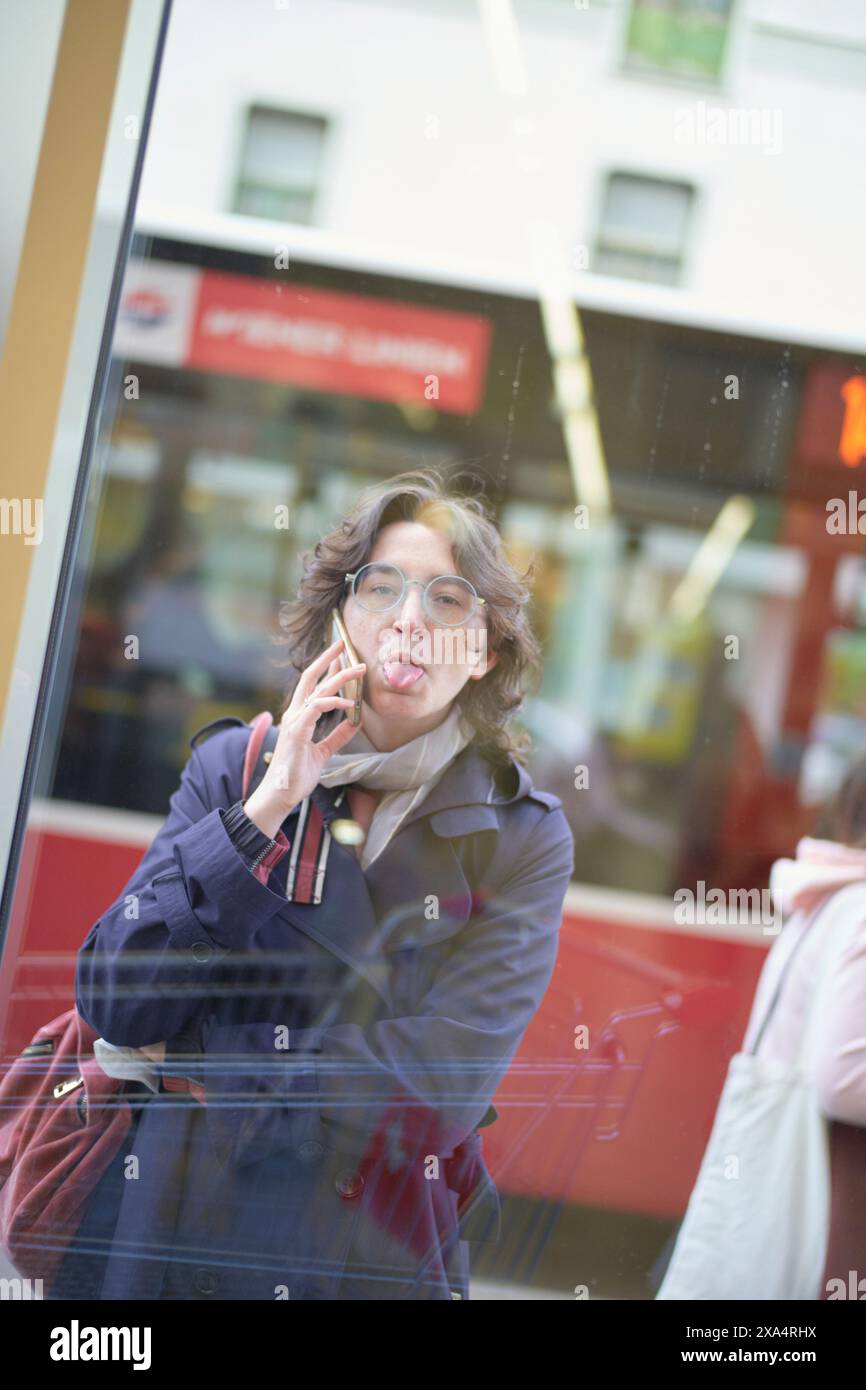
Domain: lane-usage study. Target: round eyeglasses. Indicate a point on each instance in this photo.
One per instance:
(448, 599)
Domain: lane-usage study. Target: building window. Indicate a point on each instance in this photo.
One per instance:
(281, 161)
(644, 225)
(681, 38)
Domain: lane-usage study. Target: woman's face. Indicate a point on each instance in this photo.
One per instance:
(415, 667)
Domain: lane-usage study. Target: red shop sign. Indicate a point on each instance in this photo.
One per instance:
(345, 343)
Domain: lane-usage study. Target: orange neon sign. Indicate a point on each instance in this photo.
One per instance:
(852, 441)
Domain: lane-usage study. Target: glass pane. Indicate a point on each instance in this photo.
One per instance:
(282, 146)
(679, 38)
(648, 209)
(511, 965)
(378, 587)
(451, 600)
(631, 265)
(276, 204)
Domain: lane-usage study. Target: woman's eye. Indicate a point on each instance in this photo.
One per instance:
(448, 599)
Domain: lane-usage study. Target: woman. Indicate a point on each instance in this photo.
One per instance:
(804, 887)
(342, 1014)
(806, 1035)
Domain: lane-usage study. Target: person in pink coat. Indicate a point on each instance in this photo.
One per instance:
(799, 886)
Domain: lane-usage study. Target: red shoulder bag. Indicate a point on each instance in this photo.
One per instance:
(62, 1122)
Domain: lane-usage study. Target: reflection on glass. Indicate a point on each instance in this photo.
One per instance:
(665, 469)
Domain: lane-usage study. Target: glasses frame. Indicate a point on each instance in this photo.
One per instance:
(480, 603)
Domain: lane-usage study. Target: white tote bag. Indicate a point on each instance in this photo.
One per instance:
(757, 1222)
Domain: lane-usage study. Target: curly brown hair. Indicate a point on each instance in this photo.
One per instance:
(422, 495)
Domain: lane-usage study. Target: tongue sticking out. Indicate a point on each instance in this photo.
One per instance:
(401, 675)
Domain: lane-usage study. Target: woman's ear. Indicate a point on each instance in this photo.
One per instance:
(483, 665)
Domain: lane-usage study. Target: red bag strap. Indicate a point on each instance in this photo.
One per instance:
(260, 726)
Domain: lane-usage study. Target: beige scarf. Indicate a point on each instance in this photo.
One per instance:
(406, 774)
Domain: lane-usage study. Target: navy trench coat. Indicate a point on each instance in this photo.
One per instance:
(349, 1050)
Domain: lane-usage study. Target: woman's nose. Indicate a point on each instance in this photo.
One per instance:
(410, 613)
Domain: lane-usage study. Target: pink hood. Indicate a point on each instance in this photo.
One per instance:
(820, 867)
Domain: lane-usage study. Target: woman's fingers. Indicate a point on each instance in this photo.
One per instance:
(331, 671)
(308, 678)
(318, 706)
(340, 677)
(323, 662)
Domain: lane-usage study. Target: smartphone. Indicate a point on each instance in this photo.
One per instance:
(354, 689)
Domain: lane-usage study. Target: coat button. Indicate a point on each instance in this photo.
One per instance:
(202, 951)
(310, 1150)
(349, 1183)
(205, 1281)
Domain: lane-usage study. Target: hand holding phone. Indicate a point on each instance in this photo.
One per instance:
(297, 761)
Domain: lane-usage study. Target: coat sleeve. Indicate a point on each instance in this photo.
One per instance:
(840, 1056)
(438, 1069)
(152, 958)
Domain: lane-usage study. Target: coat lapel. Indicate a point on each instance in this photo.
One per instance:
(469, 785)
(419, 890)
(344, 922)
(416, 891)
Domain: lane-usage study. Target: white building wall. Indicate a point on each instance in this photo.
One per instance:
(778, 226)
